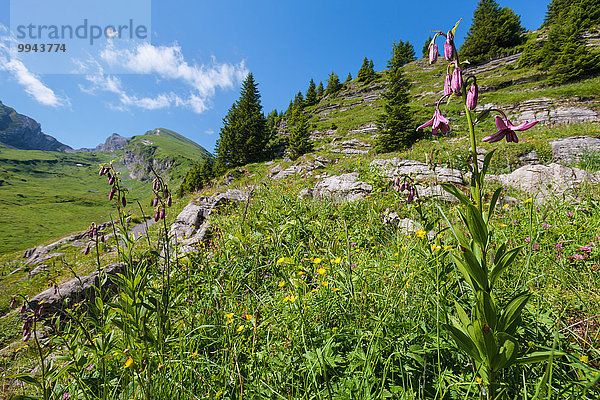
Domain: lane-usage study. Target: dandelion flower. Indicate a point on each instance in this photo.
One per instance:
(321, 271)
(420, 233)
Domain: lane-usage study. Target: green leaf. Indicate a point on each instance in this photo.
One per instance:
(486, 309)
(464, 342)
(493, 203)
(502, 262)
(482, 115)
(462, 315)
(456, 192)
(471, 265)
(486, 163)
(540, 356)
(477, 226)
(512, 312)
(480, 340)
(507, 355)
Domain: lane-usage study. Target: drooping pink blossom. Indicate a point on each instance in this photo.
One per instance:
(472, 96)
(437, 122)
(457, 80)
(448, 84)
(433, 53)
(449, 46)
(507, 129)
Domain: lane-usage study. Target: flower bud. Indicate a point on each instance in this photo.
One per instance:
(40, 310)
(12, 302)
(472, 95)
(169, 202)
(433, 53)
(101, 171)
(111, 180)
(156, 215)
(457, 80)
(87, 249)
(103, 238)
(155, 202)
(449, 46)
(124, 201)
(447, 84)
(162, 213)
(112, 193)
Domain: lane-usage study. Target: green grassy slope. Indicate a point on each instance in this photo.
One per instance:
(45, 195)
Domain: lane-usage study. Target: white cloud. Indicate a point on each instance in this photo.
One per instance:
(30, 82)
(209, 132)
(167, 62)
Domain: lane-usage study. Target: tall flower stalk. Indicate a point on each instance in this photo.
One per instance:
(486, 333)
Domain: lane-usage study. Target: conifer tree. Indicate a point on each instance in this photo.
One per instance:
(198, 176)
(366, 73)
(299, 101)
(494, 30)
(244, 135)
(402, 53)
(320, 90)
(395, 125)
(311, 94)
(426, 47)
(564, 54)
(348, 78)
(333, 84)
(299, 142)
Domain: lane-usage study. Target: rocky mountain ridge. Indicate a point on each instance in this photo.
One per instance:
(19, 131)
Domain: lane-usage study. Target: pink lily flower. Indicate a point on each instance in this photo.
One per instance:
(507, 129)
(437, 122)
(433, 53)
(457, 79)
(448, 84)
(449, 46)
(472, 95)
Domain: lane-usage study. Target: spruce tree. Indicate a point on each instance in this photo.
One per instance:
(402, 53)
(311, 94)
(299, 142)
(395, 125)
(320, 90)
(493, 32)
(348, 78)
(333, 84)
(245, 134)
(299, 101)
(426, 47)
(366, 73)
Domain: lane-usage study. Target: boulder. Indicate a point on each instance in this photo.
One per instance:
(570, 150)
(191, 226)
(344, 187)
(73, 291)
(530, 158)
(545, 180)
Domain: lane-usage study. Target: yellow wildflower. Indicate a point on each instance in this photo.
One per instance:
(478, 379)
(281, 284)
(321, 271)
(337, 260)
(421, 233)
(505, 206)
(249, 317)
(292, 298)
(584, 359)
(194, 355)
(317, 260)
(229, 316)
(435, 247)
(501, 225)
(241, 328)
(129, 362)
(528, 200)
(334, 289)
(325, 283)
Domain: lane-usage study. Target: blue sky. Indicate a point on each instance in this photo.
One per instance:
(189, 73)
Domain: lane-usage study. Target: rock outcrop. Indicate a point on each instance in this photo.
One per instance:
(73, 291)
(546, 181)
(419, 171)
(570, 150)
(191, 226)
(345, 187)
